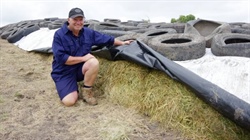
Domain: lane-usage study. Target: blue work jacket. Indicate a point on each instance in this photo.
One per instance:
(66, 44)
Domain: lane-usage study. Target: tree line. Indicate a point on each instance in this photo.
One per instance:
(183, 19)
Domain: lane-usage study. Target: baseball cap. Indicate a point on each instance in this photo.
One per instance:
(76, 12)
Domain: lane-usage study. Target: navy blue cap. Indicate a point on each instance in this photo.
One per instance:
(76, 12)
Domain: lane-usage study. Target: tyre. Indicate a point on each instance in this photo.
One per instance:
(56, 24)
(30, 28)
(143, 25)
(51, 19)
(4, 28)
(236, 24)
(143, 30)
(155, 32)
(7, 32)
(132, 36)
(130, 28)
(128, 24)
(246, 26)
(112, 20)
(231, 44)
(22, 24)
(105, 26)
(52, 26)
(43, 24)
(207, 28)
(179, 47)
(16, 35)
(240, 31)
(115, 33)
(179, 27)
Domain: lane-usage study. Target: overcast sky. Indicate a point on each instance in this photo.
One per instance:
(13, 11)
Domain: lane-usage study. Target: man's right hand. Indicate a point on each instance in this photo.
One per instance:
(72, 60)
(87, 57)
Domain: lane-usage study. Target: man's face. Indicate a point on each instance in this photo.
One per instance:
(76, 23)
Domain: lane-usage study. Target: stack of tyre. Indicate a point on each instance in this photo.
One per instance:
(224, 39)
(176, 41)
(14, 32)
(179, 41)
(166, 38)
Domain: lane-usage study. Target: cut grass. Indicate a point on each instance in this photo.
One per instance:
(165, 100)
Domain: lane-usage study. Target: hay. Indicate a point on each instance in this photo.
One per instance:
(174, 105)
(31, 109)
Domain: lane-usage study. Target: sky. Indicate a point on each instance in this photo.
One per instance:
(13, 11)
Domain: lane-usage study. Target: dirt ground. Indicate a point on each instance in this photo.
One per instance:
(31, 109)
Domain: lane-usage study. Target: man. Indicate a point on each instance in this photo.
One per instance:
(72, 61)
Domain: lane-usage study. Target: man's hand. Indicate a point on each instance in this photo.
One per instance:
(127, 42)
(72, 60)
(87, 57)
(119, 42)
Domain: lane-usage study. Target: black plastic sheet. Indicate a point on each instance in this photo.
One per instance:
(224, 102)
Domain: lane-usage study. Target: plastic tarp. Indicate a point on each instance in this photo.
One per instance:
(221, 100)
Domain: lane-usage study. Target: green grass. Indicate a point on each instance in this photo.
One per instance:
(165, 100)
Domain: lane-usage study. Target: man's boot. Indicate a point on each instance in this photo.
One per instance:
(88, 96)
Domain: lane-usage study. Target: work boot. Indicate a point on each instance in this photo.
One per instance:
(88, 96)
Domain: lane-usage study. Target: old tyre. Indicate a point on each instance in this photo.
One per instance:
(155, 32)
(207, 28)
(30, 28)
(231, 44)
(240, 31)
(7, 32)
(133, 36)
(105, 26)
(16, 35)
(179, 47)
(179, 27)
(112, 20)
(115, 33)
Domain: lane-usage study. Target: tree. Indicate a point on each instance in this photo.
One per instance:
(173, 20)
(190, 17)
(183, 19)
